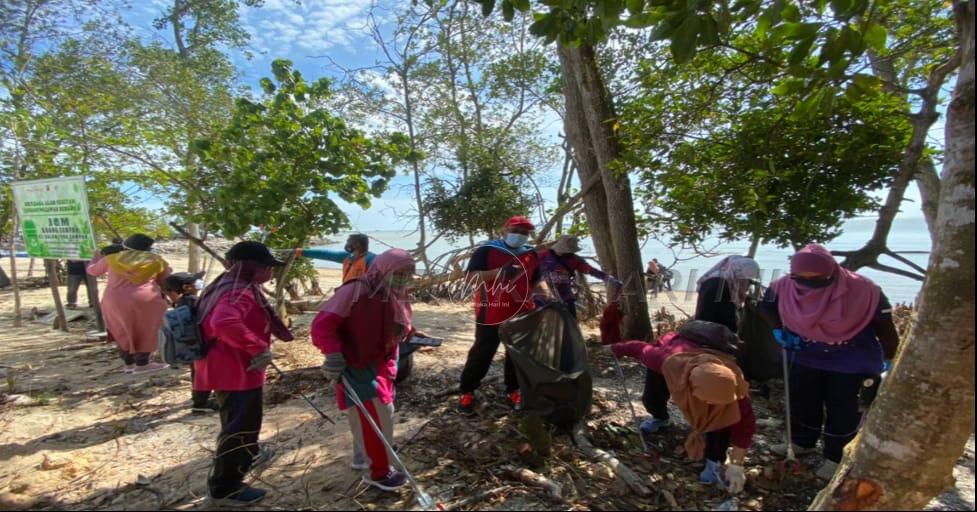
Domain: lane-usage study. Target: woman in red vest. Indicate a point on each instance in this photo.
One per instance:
(359, 330)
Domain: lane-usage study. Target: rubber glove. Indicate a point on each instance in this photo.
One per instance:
(788, 340)
(333, 366)
(886, 365)
(261, 361)
(735, 478)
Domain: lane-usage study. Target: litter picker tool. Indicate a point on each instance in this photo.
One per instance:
(790, 458)
(423, 499)
(627, 397)
(307, 399)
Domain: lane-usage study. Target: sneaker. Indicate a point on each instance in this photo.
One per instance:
(515, 398)
(360, 465)
(827, 470)
(653, 425)
(781, 449)
(209, 408)
(467, 403)
(149, 368)
(243, 497)
(393, 481)
(128, 369)
(265, 454)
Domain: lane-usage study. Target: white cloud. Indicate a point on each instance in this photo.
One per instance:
(312, 27)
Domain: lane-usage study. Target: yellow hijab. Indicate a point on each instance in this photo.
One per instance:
(137, 267)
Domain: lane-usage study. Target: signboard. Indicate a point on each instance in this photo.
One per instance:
(54, 217)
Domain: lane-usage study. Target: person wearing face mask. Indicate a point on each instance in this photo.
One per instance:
(837, 328)
(133, 303)
(502, 274)
(237, 323)
(355, 257)
(359, 330)
(558, 268)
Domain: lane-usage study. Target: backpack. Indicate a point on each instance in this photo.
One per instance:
(180, 341)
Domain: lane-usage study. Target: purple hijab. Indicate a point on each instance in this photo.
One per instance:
(833, 314)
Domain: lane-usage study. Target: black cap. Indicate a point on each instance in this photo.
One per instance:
(253, 251)
(139, 242)
(176, 281)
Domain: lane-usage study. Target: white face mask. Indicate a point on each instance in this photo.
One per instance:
(515, 240)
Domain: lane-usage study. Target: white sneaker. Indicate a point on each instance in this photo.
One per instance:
(360, 465)
(149, 368)
(128, 369)
(827, 470)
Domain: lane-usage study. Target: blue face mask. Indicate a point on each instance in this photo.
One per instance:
(515, 240)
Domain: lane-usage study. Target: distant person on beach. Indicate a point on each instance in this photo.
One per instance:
(77, 271)
(722, 290)
(237, 323)
(558, 268)
(837, 329)
(359, 330)
(355, 257)
(133, 303)
(653, 276)
(181, 289)
(502, 273)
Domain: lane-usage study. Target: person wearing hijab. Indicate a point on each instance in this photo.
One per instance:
(703, 379)
(722, 290)
(237, 323)
(558, 268)
(837, 328)
(359, 330)
(133, 303)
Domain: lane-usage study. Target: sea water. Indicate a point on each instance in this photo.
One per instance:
(908, 234)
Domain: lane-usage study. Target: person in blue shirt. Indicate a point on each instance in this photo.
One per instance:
(355, 257)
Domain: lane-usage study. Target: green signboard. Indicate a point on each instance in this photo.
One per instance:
(54, 217)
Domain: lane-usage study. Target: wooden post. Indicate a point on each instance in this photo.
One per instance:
(91, 284)
(13, 268)
(52, 275)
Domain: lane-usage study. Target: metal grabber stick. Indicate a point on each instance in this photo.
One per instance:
(627, 396)
(307, 399)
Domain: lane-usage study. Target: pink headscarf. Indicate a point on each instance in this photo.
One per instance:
(833, 314)
(374, 283)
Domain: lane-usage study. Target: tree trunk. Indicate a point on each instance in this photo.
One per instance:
(193, 260)
(595, 201)
(51, 266)
(920, 423)
(928, 182)
(13, 268)
(601, 122)
(754, 246)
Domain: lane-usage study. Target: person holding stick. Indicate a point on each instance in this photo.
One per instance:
(359, 330)
(237, 322)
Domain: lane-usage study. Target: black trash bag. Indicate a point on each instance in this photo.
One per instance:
(405, 361)
(550, 358)
(759, 355)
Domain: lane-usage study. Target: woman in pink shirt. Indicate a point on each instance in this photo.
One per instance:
(359, 330)
(133, 303)
(236, 323)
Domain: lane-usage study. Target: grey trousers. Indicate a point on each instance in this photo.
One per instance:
(386, 413)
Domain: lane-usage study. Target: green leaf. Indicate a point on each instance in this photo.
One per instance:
(508, 12)
(684, 38)
(487, 6)
(635, 6)
(875, 36)
(800, 51)
(791, 13)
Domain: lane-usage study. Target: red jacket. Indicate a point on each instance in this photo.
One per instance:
(240, 330)
(653, 355)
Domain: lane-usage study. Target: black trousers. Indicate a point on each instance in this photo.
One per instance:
(75, 282)
(237, 444)
(655, 399)
(825, 404)
(480, 360)
(200, 398)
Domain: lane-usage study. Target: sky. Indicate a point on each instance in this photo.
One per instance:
(318, 35)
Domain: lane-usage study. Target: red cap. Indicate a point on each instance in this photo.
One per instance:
(520, 221)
